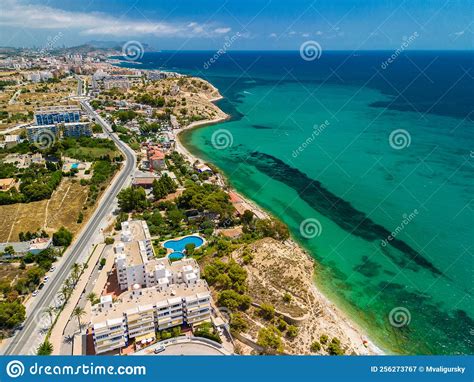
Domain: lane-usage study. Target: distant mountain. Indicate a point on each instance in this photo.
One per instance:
(104, 44)
(115, 45)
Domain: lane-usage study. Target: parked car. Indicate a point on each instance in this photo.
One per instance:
(46, 278)
(52, 269)
(35, 293)
(41, 286)
(159, 349)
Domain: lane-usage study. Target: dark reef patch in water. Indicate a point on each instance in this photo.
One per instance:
(338, 210)
(455, 329)
(368, 268)
(261, 127)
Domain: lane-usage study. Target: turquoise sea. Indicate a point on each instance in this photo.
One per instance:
(372, 170)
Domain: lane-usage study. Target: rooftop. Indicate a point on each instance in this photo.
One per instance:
(130, 301)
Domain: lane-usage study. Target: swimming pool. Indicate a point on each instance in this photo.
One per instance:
(75, 165)
(176, 255)
(180, 244)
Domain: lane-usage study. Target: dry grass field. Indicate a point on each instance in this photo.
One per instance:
(32, 97)
(61, 210)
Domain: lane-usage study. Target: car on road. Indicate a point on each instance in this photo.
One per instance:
(35, 293)
(41, 286)
(46, 278)
(159, 349)
(52, 269)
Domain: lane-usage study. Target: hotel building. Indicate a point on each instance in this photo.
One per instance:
(68, 130)
(158, 294)
(57, 114)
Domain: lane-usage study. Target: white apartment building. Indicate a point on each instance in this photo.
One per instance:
(136, 264)
(132, 253)
(159, 294)
(139, 313)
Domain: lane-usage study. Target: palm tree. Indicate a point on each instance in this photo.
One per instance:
(66, 293)
(78, 312)
(69, 282)
(50, 310)
(46, 348)
(92, 297)
(76, 273)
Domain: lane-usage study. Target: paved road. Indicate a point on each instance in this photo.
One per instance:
(80, 86)
(21, 343)
(13, 128)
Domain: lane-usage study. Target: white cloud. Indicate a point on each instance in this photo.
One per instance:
(35, 16)
(272, 35)
(222, 30)
(305, 35)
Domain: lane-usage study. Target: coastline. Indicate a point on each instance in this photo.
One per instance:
(351, 330)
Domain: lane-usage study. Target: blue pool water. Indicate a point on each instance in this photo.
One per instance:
(176, 256)
(75, 165)
(180, 245)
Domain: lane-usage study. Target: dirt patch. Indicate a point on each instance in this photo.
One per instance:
(61, 210)
(278, 269)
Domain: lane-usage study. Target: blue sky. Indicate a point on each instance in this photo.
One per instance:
(249, 24)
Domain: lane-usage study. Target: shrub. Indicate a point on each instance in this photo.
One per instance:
(334, 348)
(291, 331)
(62, 237)
(233, 300)
(238, 323)
(267, 311)
(323, 339)
(270, 339)
(315, 347)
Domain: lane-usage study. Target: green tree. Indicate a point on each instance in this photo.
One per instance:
(291, 331)
(270, 339)
(46, 348)
(238, 323)
(92, 298)
(11, 314)
(190, 247)
(233, 300)
(62, 237)
(315, 347)
(267, 311)
(132, 199)
(9, 250)
(247, 217)
(334, 347)
(78, 312)
(109, 240)
(50, 310)
(323, 338)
